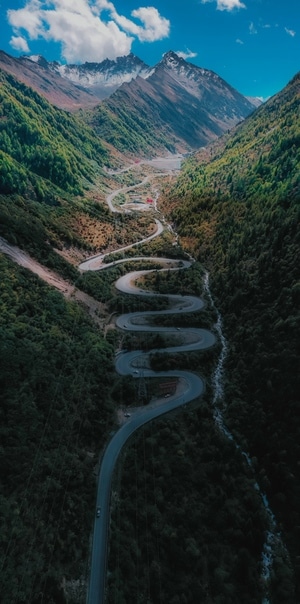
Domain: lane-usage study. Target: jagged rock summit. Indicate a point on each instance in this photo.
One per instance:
(189, 106)
(100, 79)
(174, 105)
(59, 91)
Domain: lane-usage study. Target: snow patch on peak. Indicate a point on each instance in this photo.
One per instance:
(171, 59)
(148, 73)
(34, 58)
(99, 78)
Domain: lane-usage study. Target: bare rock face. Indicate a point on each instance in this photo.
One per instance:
(57, 90)
(190, 106)
(99, 79)
(102, 79)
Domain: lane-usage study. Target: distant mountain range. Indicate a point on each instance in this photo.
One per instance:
(236, 209)
(74, 86)
(59, 91)
(100, 79)
(174, 106)
(178, 107)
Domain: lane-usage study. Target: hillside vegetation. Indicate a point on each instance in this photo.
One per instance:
(55, 377)
(52, 180)
(237, 209)
(38, 140)
(128, 128)
(56, 369)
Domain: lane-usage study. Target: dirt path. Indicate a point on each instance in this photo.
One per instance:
(94, 308)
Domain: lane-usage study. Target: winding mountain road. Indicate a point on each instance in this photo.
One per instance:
(126, 364)
(95, 263)
(192, 386)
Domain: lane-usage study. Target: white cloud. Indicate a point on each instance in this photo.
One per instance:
(290, 32)
(252, 28)
(27, 19)
(238, 41)
(88, 30)
(229, 4)
(154, 27)
(226, 4)
(19, 43)
(188, 54)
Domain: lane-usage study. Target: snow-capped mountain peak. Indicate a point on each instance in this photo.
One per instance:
(102, 79)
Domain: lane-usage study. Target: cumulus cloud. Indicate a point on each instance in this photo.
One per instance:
(88, 30)
(226, 4)
(19, 43)
(27, 19)
(290, 32)
(238, 41)
(154, 27)
(188, 54)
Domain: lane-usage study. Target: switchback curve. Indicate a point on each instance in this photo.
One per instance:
(126, 364)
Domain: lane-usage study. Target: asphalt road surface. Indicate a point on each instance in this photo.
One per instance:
(126, 363)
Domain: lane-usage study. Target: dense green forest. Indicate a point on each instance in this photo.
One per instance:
(188, 523)
(188, 526)
(237, 209)
(56, 372)
(38, 140)
(257, 159)
(55, 381)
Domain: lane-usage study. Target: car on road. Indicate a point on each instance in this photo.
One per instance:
(98, 512)
(127, 415)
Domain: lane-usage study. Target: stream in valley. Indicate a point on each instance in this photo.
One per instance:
(273, 541)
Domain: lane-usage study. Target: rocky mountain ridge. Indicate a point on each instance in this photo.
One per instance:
(100, 79)
(59, 91)
(82, 86)
(179, 107)
(174, 106)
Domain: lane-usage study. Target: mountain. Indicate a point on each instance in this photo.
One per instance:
(236, 206)
(257, 159)
(38, 75)
(100, 79)
(178, 107)
(189, 105)
(39, 140)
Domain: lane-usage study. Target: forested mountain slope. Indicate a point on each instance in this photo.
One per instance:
(237, 209)
(51, 179)
(37, 139)
(56, 366)
(55, 408)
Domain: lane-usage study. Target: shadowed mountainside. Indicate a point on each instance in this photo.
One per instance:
(236, 208)
(179, 107)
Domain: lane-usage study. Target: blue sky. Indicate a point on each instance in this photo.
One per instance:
(253, 44)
